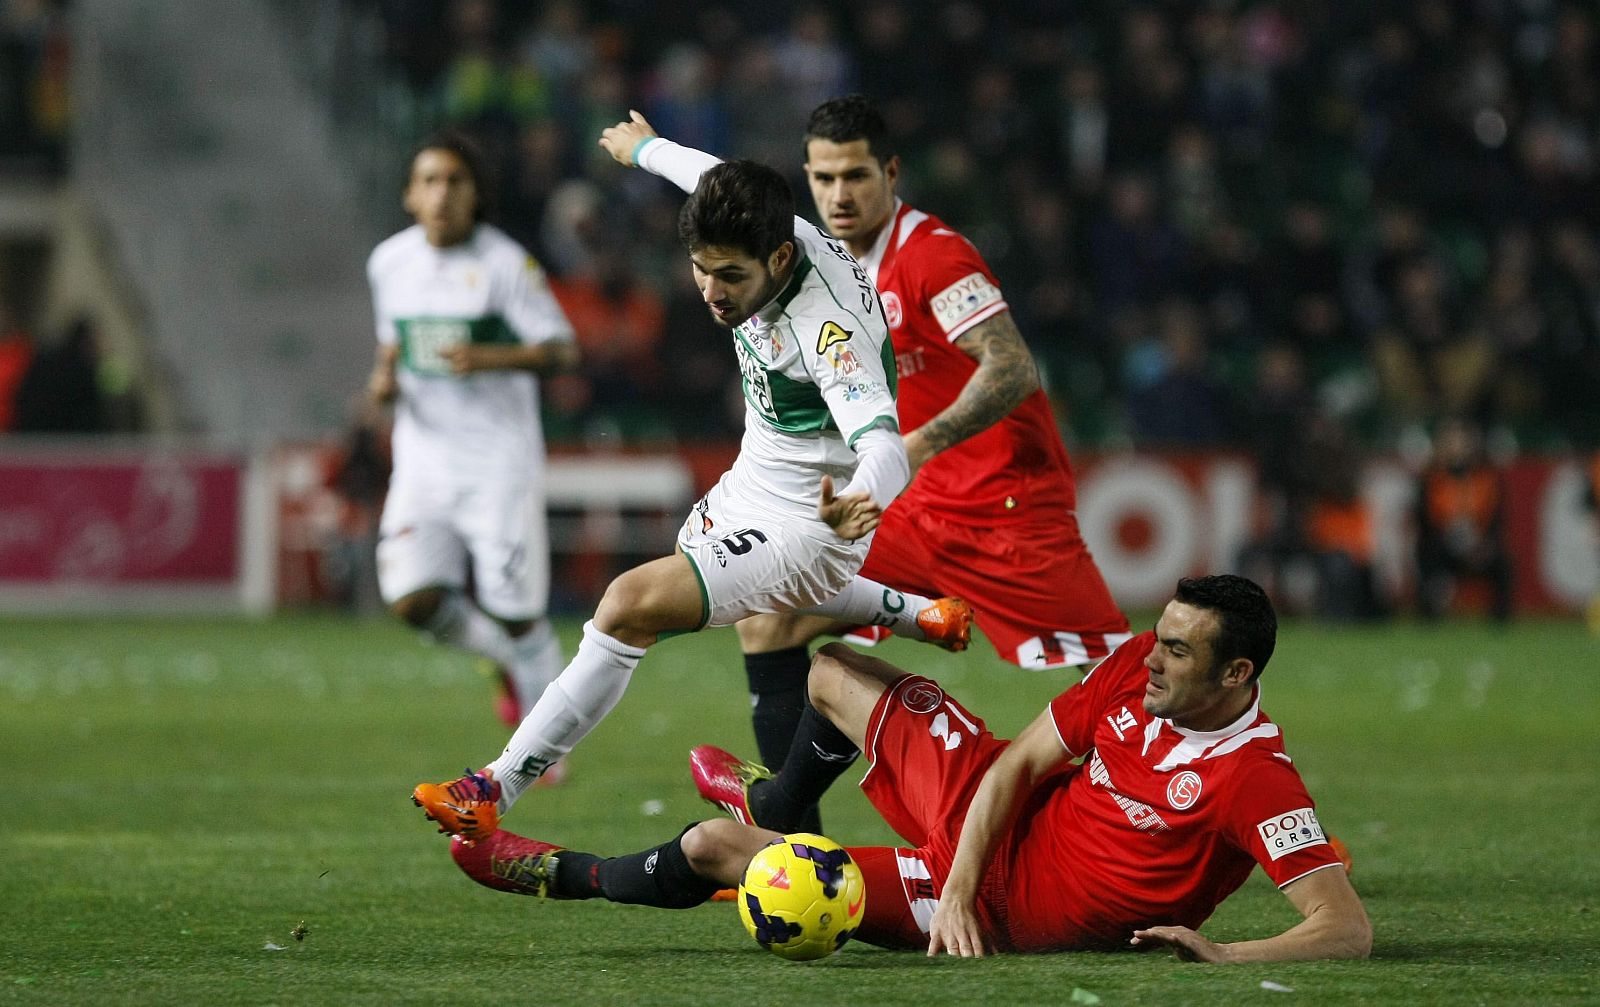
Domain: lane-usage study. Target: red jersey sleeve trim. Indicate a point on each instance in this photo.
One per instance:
(1297, 877)
(982, 316)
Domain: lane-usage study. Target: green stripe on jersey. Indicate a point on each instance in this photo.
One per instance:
(423, 338)
(795, 407)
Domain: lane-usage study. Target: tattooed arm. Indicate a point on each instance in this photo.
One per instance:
(1005, 376)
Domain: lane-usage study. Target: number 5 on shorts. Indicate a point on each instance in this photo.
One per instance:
(741, 542)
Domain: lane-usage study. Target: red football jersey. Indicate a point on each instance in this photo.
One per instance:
(1158, 824)
(935, 287)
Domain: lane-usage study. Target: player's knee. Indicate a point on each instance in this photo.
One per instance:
(634, 608)
(828, 673)
(709, 846)
(418, 608)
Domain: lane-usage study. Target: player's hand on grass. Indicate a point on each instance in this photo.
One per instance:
(621, 140)
(1189, 945)
(850, 515)
(954, 930)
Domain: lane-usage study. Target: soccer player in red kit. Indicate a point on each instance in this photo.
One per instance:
(989, 515)
(1134, 804)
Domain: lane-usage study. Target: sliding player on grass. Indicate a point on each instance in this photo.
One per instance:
(1125, 813)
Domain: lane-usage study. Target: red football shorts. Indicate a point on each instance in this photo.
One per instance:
(1037, 594)
(926, 756)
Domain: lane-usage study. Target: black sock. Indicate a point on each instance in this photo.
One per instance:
(660, 876)
(778, 696)
(778, 691)
(819, 755)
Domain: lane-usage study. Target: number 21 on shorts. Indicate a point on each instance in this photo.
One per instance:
(940, 727)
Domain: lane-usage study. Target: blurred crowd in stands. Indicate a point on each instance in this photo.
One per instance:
(1204, 214)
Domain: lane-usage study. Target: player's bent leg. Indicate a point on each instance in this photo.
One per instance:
(760, 634)
(945, 622)
(661, 596)
(719, 850)
(845, 685)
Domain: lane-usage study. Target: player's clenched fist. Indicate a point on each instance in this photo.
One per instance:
(621, 140)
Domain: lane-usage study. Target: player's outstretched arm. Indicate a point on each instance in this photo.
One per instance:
(1034, 755)
(1005, 376)
(635, 144)
(1334, 925)
(622, 140)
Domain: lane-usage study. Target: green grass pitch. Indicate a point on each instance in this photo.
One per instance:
(180, 795)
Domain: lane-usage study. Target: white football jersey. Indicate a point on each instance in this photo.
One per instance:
(817, 370)
(487, 289)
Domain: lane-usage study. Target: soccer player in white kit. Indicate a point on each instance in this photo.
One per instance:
(466, 323)
(773, 535)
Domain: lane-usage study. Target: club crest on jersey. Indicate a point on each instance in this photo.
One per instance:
(1183, 790)
(893, 312)
(832, 333)
(922, 697)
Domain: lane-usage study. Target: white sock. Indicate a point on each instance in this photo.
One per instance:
(460, 623)
(571, 706)
(535, 663)
(865, 602)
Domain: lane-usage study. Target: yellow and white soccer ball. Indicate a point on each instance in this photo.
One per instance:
(802, 897)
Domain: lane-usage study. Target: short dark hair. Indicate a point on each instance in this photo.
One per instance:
(853, 117)
(472, 157)
(1246, 624)
(739, 204)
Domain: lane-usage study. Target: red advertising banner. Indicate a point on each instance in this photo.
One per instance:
(1150, 519)
(79, 518)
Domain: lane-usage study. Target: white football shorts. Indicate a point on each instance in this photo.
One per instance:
(753, 557)
(431, 529)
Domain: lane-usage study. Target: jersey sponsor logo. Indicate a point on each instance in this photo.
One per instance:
(757, 388)
(844, 361)
(922, 697)
(1183, 790)
(427, 339)
(909, 363)
(893, 311)
(964, 299)
(1290, 831)
(1140, 815)
(832, 333)
(1122, 723)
